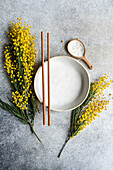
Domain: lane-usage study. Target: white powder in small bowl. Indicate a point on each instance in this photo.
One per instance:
(76, 48)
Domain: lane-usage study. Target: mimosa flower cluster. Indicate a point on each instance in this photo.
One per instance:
(20, 54)
(20, 60)
(95, 107)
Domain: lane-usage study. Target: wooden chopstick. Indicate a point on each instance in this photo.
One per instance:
(43, 81)
(48, 56)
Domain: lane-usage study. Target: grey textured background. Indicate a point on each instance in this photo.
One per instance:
(92, 22)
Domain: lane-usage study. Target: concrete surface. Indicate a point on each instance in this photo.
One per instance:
(92, 22)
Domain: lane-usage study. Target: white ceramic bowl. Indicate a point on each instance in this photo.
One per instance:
(69, 83)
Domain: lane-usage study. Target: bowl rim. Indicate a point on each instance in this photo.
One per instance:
(72, 108)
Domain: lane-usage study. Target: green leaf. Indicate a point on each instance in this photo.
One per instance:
(75, 114)
(11, 109)
(32, 107)
(25, 122)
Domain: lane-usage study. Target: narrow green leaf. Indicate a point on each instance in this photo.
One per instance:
(11, 109)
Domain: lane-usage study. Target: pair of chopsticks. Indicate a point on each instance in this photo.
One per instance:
(43, 80)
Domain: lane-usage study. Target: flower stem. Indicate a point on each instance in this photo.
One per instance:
(32, 129)
(63, 147)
